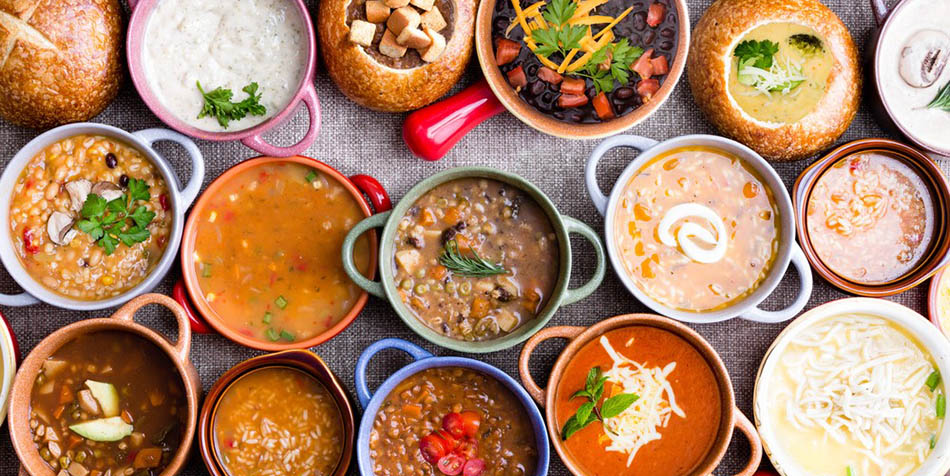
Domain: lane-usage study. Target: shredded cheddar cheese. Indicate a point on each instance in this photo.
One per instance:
(590, 47)
(590, 20)
(613, 23)
(586, 6)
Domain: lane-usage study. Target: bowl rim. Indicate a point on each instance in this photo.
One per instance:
(933, 300)
(135, 45)
(10, 258)
(547, 124)
(189, 237)
(939, 253)
(907, 319)
(8, 360)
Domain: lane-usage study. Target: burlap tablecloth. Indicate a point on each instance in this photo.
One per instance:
(356, 140)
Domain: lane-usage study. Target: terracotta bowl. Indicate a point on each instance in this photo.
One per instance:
(939, 253)
(302, 360)
(123, 320)
(732, 418)
(204, 319)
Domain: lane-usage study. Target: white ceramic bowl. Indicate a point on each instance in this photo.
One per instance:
(8, 361)
(181, 199)
(938, 463)
(788, 251)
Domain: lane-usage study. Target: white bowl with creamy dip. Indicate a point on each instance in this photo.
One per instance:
(174, 45)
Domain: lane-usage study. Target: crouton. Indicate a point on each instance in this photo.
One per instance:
(376, 11)
(434, 51)
(423, 4)
(402, 18)
(362, 32)
(396, 3)
(434, 19)
(389, 47)
(413, 38)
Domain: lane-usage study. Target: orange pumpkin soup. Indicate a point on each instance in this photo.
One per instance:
(666, 430)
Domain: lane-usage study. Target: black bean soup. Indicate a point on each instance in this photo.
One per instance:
(624, 98)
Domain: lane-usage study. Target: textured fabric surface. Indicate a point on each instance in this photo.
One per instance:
(356, 140)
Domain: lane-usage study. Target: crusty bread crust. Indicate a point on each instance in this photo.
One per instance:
(717, 30)
(59, 60)
(371, 84)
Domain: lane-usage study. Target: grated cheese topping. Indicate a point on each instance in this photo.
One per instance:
(778, 78)
(639, 424)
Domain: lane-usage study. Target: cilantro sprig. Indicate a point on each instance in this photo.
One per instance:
(218, 104)
(111, 223)
(620, 56)
(588, 413)
(560, 37)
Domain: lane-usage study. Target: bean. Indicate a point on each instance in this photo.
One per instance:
(52, 190)
(111, 160)
(624, 93)
(123, 180)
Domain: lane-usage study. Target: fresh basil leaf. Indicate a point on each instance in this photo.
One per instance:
(573, 425)
(581, 394)
(593, 376)
(584, 412)
(616, 404)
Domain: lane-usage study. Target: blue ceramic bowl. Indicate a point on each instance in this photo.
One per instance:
(370, 401)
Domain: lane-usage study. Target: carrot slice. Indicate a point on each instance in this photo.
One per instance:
(548, 75)
(565, 101)
(655, 14)
(506, 50)
(573, 86)
(602, 106)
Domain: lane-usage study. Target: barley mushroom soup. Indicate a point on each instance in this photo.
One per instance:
(90, 217)
(452, 420)
(697, 229)
(475, 259)
(108, 403)
(585, 61)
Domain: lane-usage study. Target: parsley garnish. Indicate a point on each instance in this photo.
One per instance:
(588, 413)
(561, 37)
(621, 56)
(218, 104)
(109, 223)
(756, 53)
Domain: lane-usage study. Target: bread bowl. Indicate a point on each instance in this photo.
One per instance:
(59, 60)
(792, 107)
(389, 75)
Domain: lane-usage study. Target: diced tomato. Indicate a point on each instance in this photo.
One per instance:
(643, 66)
(451, 464)
(468, 447)
(517, 78)
(470, 423)
(565, 101)
(573, 86)
(433, 448)
(473, 467)
(647, 88)
(28, 244)
(163, 200)
(602, 106)
(506, 50)
(548, 75)
(660, 65)
(655, 14)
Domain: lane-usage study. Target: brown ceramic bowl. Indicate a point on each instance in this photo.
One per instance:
(934, 307)
(732, 417)
(122, 320)
(302, 360)
(939, 252)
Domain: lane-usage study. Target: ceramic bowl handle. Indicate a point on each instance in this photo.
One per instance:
(310, 100)
(804, 293)
(590, 170)
(183, 343)
(575, 226)
(23, 471)
(17, 300)
(362, 389)
(374, 190)
(524, 361)
(187, 194)
(879, 7)
(433, 130)
(375, 221)
(197, 323)
(755, 443)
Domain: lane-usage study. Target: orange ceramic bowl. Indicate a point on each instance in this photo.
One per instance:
(204, 319)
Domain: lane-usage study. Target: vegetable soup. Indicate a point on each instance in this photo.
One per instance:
(475, 259)
(451, 421)
(697, 229)
(267, 252)
(278, 421)
(656, 404)
(108, 403)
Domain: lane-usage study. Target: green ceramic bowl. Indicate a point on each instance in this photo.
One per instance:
(386, 288)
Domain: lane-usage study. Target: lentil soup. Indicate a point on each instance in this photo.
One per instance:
(267, 252)
(452, 420)
(475, 259)
(48, 219)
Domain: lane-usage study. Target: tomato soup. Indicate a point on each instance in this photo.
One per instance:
(267, 252)
(667, 430)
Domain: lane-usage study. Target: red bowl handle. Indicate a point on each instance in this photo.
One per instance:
(374, 190)
(431, 131)
(198, 325)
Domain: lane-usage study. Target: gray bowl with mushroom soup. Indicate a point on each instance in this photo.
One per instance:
(94, 215)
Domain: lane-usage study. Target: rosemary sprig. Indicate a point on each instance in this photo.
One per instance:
(463, 265)
(942, 101)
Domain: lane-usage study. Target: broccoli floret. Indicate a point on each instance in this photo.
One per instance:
(807, 44)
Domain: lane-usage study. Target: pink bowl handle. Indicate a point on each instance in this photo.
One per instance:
(132, 4)
(198, 325)
(309, 99)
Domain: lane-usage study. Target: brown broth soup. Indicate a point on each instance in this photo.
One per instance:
(475, 219)
(720, 224)
(452, 417)
(678, 427)
(276, 421)
(870, 218)
(108, 401)
(267, 252)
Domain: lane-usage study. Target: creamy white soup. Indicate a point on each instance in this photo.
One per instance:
(224, 44)
(919, 33)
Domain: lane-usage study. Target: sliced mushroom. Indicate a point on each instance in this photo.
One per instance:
(107, 190)
(60, 228)
(78, 192)
(923, 57)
